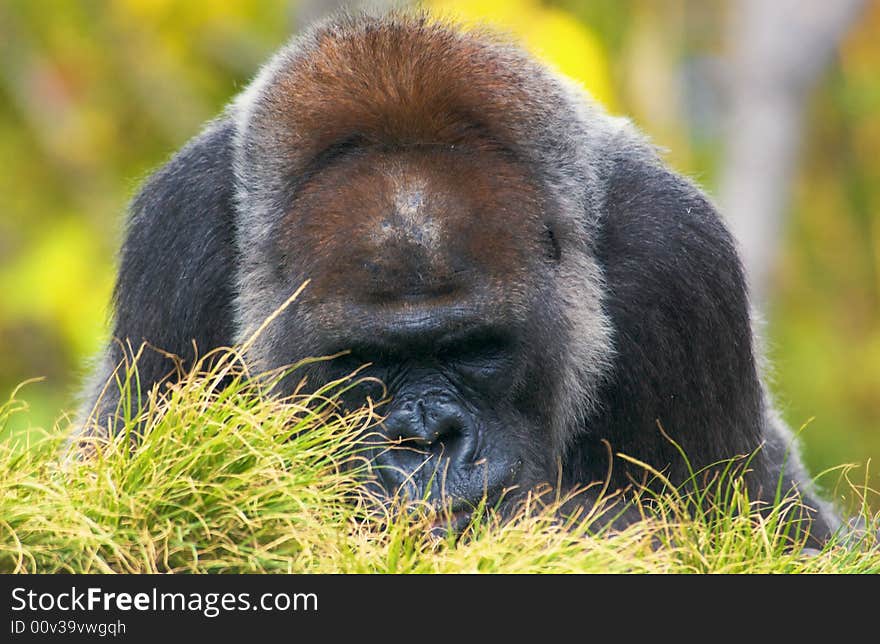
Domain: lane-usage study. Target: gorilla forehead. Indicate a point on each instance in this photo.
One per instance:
(421, 226)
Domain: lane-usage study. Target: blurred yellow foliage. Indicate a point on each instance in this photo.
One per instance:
(64, 281)
(184, 13)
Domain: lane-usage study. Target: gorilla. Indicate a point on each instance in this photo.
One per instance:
(535, 288)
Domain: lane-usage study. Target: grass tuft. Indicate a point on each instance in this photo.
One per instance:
(226, 478)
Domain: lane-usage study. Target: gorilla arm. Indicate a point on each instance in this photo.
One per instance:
(175, 282)
(684, 353)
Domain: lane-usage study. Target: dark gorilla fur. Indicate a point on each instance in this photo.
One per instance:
(524, 273)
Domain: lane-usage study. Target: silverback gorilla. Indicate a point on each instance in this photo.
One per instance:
(520, 269)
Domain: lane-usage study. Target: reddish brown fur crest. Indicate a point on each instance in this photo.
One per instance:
(409, 81)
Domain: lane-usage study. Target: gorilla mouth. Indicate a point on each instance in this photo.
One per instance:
(450, 522)
(455, 496)
(455, 519)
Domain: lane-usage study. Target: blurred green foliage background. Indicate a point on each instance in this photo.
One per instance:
(95, 94)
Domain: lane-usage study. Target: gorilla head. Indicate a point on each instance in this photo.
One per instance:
(519, 268)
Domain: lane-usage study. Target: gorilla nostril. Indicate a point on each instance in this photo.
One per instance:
(446, 430)
(428, 429)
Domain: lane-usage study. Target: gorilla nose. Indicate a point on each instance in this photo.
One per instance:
(426, 425)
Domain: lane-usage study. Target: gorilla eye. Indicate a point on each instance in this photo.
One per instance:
(366, 355)
(554, 252)
(480, 354)
(476, 344)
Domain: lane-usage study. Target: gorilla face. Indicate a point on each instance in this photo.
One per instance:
(454, 433)
(424, 266)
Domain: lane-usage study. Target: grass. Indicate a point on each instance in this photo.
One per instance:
(228, 479)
